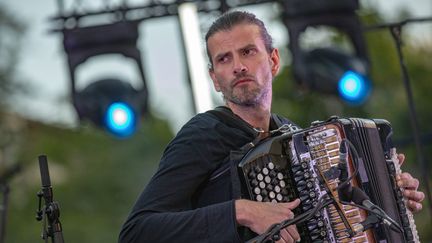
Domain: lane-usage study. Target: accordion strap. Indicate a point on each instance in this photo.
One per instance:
(231, 162)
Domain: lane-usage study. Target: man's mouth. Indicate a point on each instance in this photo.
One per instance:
(242, 81)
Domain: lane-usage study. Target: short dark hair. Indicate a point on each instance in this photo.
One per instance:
(230, 19)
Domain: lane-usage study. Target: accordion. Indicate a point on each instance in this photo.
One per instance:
(285, 167)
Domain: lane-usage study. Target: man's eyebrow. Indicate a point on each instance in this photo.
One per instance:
(248, 46)
(220, 55)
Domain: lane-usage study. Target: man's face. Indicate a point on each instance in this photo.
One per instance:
(242, 68)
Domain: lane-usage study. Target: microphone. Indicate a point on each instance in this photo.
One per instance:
(345, 187)
(45, 179)
(360, 197)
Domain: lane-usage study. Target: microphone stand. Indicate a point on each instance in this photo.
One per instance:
(51, 209)
(396, 30)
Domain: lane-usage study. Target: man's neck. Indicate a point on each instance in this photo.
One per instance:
(256, 116)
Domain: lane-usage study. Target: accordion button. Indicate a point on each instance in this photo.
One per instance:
(271, 166)
(296, 169)
(402, 206)
(262, 185)
(269, 187)
(259, 198)
(257, 190)
(257, 169)
(272, 195)
(399, 193)
(405, 220)
(312, 194)
(260, 177)
(307, 207)
(277, 189)
(254, 182)
(264, 193)
(409, 234)
(267, 179)
(265, 171)
(282, 184)
(280, 176)
(279, 197)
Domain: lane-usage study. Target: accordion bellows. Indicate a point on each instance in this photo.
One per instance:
(288, 166)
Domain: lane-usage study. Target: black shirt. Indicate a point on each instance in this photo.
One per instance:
(188, 200)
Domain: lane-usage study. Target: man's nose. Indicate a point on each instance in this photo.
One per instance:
(239, 67)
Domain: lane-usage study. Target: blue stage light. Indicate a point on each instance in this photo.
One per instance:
(353, 87)
(120, 119)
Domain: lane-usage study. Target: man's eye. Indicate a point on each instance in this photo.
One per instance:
(223, 59)
(248, 52)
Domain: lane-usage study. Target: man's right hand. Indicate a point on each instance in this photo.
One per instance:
(259, 216)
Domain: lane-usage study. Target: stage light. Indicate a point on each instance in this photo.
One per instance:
(353, 87)
(109, 103)
(112, 104)
(120, 119)
(332, 71)
(329, 70)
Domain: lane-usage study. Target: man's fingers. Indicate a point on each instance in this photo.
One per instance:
(290, 234)
(292, 230)
(286, 237)
(405, 180)
(293, 204)
(401, 158)
(416, 196)
(414, 206)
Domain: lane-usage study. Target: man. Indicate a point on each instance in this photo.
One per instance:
(189, 199)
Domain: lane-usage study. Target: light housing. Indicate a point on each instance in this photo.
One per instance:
(332, 71)
(321, 69)
(93, 102)
(112, 104)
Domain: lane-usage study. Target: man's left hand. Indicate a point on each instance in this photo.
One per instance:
(410, 186)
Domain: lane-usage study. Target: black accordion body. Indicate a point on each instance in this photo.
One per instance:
(286, 167)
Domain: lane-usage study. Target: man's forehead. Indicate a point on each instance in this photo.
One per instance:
(240, 28)
(238, 35)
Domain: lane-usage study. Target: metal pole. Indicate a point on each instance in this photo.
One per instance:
(396, 33)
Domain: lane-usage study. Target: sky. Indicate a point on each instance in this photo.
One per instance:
(43, 62)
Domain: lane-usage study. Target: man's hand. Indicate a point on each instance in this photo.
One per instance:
(410, 186)
(259, 216)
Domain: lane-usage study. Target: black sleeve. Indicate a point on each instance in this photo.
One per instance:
(164, 213)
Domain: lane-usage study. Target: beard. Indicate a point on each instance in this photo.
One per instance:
(251, 94)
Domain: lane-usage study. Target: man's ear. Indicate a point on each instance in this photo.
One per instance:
(215, 81)
(274, 61)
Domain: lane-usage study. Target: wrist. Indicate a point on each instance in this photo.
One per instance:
(243, 213)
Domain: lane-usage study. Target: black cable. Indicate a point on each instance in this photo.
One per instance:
(276, 228)
(355, 157)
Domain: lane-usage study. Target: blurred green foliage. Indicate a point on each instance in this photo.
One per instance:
(96, 178)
